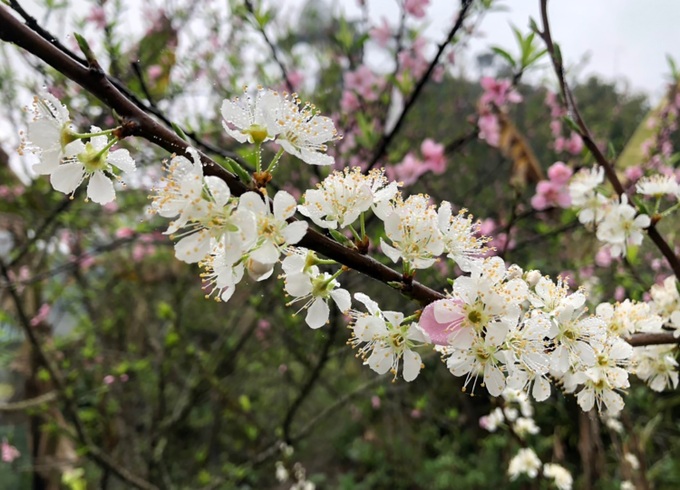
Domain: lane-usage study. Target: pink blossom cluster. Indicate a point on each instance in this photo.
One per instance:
(8, 453)
(411, 167)
(553, 192)
(10, 194)
(573, 143)
(497, 95)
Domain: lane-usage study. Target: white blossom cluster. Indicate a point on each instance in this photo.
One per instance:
(66, 158)
(516, 414)
(618, 223)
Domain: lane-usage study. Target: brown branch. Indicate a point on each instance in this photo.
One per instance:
(24, 405)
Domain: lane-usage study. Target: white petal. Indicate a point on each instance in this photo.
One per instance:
(284, 205)
(381, 359)
(122, 159)
(412, 364)
(342, 299)
(294, 232)
(100, 188)
(66, 178)
(193, 248)
(317, 315)
(541, 389)
(493, 379)
(253, 202)
(390, 251)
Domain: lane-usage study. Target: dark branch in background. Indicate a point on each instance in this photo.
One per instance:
(589, 140)
(260, 28)
(92, 451)
(386, 139)
(311, 381)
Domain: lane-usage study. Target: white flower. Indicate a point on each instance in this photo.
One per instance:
(665, 298)
(628, 317)
(182, 192)
(208, 215)
(246, 119)
(95, 162)
(524, 462)
(620, 227)
(493, 420)
(50, 134)
(305, 282)
(221, 273)
(656, 365)
(343, 196)
(459, 234)
(300, 130)
(386, 339)
(274, 232)
(560, 476)
(584, 195)
(412, 228)
(6, 243)
(658, 186)
(524, 426)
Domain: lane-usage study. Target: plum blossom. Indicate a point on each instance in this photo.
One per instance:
(387, 339)
(304, 281)
(524, 462)
(621, 228)
(95, 163)
(50, 134)
(658, 186)
(343, 196)
(498, 92)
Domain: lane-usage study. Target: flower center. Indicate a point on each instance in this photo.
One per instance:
(92, 159)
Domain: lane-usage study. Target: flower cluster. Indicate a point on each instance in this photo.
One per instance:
(67, 159)
(225, 234)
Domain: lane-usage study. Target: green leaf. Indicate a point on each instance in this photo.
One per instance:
(504, 54)
(178, 131)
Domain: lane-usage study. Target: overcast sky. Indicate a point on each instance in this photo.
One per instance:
(624, 39)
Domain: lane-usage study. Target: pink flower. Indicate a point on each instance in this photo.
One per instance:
(8, 453)
(408, 171)
(548, 194)
(364, 82)
(489, 129)
(123, 378)
(498, 92)
(634, 173)
(349, 101)
(154, 72)
(433, 153)
(416, 7)
(556, 128)
(109, 379)
(97, 16)
(559, 173)
(603, 257)
(382, 34)
(125, 232)
(620, 293)
(41, 316)
(441, 330)
(574, 144)
(375, 402)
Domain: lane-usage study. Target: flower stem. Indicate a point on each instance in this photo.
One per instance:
(275, 160)
(104, 150)
(101, 133)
